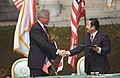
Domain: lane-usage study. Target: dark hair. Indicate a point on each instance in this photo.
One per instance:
(94, 22)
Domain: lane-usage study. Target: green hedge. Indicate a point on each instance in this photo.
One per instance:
(62, 36)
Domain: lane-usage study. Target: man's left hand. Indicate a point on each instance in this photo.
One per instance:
(95, 48)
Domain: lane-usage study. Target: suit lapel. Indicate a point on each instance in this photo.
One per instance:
(44, 33)
(95, 38)
(87, 41)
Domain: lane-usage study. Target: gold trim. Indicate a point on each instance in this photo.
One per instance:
(14, 64)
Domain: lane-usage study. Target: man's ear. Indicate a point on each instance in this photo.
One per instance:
(93, 27)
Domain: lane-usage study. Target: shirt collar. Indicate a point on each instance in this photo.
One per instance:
(41, 24)
(94, 33)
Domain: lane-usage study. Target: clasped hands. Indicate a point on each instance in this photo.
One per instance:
(63, 53)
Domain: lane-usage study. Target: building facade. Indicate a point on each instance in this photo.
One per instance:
(61, 9)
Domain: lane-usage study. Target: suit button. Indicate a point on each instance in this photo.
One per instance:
(89, 53)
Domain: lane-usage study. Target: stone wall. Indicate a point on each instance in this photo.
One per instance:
(94, 8)
(8, 12)
(97, 8)
(61, 9)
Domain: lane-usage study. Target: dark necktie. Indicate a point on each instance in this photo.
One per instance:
(45, 29)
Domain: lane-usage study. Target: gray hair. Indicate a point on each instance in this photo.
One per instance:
(43, 13)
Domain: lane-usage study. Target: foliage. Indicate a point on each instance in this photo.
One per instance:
(62, 36)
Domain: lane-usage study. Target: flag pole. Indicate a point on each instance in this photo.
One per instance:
(85, 24)
(54, 70)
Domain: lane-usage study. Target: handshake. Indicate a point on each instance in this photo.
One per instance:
(63, 53)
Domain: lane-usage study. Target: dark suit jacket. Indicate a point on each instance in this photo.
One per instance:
(40, 47)
(97, 62)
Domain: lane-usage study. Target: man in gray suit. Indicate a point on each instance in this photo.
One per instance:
(96, 46)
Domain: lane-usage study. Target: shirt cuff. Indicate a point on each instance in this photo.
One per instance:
(68, 52)
(99, 51)
(57, 51)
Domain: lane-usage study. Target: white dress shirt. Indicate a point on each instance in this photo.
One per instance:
(94, 34)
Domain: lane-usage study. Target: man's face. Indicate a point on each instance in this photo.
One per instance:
(46, 20)
(89, 28)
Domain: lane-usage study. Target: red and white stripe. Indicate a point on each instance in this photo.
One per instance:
(77, 12)
(46, 65)
(60, 67)
(18, 3)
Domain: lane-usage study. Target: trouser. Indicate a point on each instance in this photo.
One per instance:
(37, 73)
(89, 70)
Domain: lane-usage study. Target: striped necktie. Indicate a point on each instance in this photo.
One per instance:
(91, 38)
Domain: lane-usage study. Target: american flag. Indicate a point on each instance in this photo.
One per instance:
(46, 65)
(78, 11)
(26, 19)
(18, 3)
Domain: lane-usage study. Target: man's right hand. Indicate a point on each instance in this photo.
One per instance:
(63, 53)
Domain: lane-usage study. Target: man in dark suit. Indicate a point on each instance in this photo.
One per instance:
(96, 46)
(40, 45)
